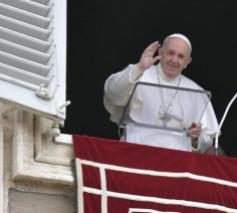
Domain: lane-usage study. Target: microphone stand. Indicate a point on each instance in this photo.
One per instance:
(221, 123)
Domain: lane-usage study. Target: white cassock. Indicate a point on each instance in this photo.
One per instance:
(161, 107)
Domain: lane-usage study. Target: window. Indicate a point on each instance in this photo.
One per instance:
(33, 55)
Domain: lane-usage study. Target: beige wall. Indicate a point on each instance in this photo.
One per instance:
(36, 172)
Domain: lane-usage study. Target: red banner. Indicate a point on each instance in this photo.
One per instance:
(119, 177)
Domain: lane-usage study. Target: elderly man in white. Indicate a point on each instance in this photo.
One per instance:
(174, 56)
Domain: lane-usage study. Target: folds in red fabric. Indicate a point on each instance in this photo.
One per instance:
(121, 177)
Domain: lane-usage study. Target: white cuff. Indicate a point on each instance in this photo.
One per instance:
(136, 73)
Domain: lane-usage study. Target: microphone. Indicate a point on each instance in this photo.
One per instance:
(222, 121)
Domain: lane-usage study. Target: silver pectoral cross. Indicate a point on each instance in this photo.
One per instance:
(165, 118)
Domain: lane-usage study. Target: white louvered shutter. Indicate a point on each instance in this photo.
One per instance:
(33, 55)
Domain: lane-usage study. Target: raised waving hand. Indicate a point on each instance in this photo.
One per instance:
(147, 58)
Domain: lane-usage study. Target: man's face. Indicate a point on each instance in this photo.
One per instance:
(175, 56)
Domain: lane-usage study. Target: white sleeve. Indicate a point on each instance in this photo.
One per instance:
(204, 142)
(119, 86)
(209, 129)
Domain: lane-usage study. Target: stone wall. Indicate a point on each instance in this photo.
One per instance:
(36, 171)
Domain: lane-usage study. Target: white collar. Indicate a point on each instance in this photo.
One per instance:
(164, 79)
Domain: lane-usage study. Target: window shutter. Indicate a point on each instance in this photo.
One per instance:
(33, 55)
